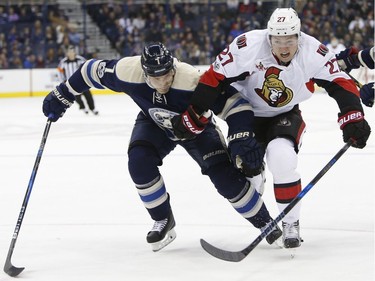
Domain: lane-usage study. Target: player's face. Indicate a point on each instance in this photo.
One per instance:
(162, 83)
(284, 47)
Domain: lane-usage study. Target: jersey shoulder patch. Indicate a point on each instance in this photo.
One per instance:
(322, 50)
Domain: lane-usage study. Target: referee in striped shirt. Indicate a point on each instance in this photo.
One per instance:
(66, 68)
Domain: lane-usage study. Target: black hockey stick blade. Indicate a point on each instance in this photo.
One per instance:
(222, 254)
(236, 256)
(11, 270)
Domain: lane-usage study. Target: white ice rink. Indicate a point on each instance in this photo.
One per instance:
(85, 221)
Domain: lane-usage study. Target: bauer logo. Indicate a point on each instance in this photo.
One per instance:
(240, 135)
(214, 153)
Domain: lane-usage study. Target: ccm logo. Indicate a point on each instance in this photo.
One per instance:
(239, 136)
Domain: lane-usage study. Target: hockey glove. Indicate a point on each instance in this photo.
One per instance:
(367, 94)
(348, 59)
(188, 125)
(57, 101)
(246, 153)
(355, 127)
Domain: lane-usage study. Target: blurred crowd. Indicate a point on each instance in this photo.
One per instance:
(36, 36)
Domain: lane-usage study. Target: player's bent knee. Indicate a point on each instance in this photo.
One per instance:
(228, 181)
(281, 157)
(143, 163)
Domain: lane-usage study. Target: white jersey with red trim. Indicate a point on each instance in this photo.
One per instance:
(272, 88)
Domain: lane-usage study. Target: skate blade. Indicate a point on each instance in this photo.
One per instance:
(292, 252)
(279, 243)
(157, 246)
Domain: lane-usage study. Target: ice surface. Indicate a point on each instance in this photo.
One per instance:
(85, 220)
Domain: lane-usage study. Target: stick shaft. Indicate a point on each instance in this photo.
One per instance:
(8, 265)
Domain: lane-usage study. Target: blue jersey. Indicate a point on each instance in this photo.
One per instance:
(126, 75)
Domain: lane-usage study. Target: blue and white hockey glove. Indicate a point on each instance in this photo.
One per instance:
(246, 153)
(57, 101)
(348, 59)
(367, 94)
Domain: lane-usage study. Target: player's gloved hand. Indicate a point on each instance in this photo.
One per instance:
(367, 94)
(355, 127)
(246, 153)
(57, 101)
(348, 59)
(188, 125)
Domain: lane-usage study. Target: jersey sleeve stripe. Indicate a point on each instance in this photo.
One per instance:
(89, 74)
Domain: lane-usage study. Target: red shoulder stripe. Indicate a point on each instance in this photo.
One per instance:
(211, 78)
(347, 84)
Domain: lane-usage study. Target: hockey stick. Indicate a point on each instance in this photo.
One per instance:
(10, 269)
(359, 84)
(240, 255)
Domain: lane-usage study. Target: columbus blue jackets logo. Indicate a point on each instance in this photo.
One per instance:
(162, 117)
(274, 92)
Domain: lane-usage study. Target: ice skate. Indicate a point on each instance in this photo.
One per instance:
(291, 237)
(162, 233)
(95, 112)
(274, 236)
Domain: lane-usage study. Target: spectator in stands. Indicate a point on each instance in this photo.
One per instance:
(335, 45)
(3, 59)
(29, 62)
(12, 15)
(320, 18)
(73, 35)
(3, 41)
(3, 16)
(16, 62)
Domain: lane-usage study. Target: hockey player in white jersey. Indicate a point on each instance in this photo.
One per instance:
(275, 69)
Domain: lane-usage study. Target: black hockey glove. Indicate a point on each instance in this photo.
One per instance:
(348, 59)
(188, 125)
(246, 153)
(355, 127)
(57, 101)
(367, 94)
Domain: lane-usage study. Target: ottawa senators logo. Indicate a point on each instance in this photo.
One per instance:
(274, 91)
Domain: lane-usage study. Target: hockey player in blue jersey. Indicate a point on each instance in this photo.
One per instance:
(162, 87)
(352, 58)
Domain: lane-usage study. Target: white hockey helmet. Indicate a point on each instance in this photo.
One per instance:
(283, 22)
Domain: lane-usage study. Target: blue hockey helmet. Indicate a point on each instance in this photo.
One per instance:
(156, 60)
